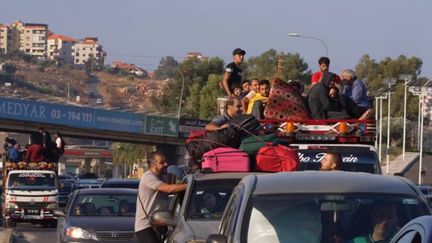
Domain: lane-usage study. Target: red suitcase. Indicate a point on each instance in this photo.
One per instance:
(225, 160)
(277, 158)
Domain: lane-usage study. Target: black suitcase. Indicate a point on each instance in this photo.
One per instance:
(246, 124)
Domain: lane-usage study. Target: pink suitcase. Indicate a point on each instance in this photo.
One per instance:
(225, 160)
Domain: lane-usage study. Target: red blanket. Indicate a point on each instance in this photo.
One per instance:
(285, 102)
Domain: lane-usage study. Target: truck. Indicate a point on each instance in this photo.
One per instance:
(30, 193)
(353, 139)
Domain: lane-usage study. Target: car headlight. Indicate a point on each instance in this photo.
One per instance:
(77, 233)
(195, 241)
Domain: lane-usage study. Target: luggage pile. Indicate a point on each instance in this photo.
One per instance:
(242, 147)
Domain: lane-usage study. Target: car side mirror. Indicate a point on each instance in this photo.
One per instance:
(59, 213)
(163, 218)
(216, 238)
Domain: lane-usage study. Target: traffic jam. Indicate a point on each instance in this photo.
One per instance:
(275, 181)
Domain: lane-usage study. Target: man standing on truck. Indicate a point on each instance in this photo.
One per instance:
(233, 73)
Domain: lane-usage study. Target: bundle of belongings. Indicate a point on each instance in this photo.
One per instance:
(242, 147)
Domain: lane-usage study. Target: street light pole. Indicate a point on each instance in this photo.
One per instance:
(389, 82)
(407, 79)
(381, 98)
(182, 87)
(421, 141)
(310, 37)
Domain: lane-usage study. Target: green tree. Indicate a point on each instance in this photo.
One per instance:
(126, 154)
(167, 68)
(209, 94)
(272, 64)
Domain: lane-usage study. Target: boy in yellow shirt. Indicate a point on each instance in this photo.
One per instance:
(257, 103)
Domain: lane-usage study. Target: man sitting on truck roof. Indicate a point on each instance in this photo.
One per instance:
(232, 108)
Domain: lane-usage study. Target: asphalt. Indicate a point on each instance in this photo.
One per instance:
(6, 235)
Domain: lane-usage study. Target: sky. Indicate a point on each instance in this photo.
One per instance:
(144, 31)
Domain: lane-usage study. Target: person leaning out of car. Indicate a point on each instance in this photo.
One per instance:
(150, 187)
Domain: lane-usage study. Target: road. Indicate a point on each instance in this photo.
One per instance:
(412, 172)
(25, 233)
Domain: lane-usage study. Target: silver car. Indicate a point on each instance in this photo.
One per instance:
(196, 213)
(317, 206)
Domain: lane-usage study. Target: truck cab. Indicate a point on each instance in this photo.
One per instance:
(29, 196)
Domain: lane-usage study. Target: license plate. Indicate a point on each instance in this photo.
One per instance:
(32, 211)
(32, 217)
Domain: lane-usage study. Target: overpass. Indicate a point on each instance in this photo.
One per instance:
(26, 116)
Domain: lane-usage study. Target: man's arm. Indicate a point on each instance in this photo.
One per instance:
(171, 188)
(214, 127)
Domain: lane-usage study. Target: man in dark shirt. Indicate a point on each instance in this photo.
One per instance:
(233, 108)
(233, 73)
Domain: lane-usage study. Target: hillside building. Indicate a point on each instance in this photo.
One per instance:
(90, 51)
(60, 49)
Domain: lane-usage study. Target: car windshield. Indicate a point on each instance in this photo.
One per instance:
(328, 218)
(105, 205)
(209, 198)
(354, 159)
(32, 179)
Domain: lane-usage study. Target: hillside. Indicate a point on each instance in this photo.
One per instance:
(101, 89)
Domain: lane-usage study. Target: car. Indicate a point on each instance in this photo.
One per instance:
(98, 215)
(418, 230)
(86, 183)
(196, 213)
(121, 183)
(317, 206)
(65, 189)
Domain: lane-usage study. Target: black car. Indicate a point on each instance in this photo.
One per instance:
(319, 206)
(98, 215)
(121, 183)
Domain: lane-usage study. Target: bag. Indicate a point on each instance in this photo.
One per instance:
(225, 160)
(245, 124)
(277, 158)
(252, 144)
(195, 144)
(202, 141)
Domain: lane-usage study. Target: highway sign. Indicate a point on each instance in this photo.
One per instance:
(161, 125)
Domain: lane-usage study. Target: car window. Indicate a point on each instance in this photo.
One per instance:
(323, 218)
(105, 205)
(209, 198)
(229, 219)
(33, 179)
(354, 159)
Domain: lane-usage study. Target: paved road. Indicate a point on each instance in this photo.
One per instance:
(25, 233)
(412, 173)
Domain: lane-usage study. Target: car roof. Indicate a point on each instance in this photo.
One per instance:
(331, 182)
(121, 181)
(222, 176)
(93, 191)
